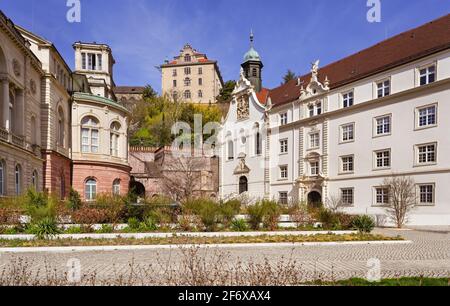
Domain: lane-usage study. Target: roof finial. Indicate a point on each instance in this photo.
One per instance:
(252, 38)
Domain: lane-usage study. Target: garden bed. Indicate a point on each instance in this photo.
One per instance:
(182, 240)
(177, 234)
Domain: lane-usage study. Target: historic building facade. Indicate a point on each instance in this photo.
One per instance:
(191, 77)
(59, 128)
(342, 130)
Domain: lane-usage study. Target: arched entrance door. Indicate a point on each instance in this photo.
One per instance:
(315, 199)
(243, 184)
(137, 188)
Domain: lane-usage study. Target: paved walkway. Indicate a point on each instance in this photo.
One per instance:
(428, 255)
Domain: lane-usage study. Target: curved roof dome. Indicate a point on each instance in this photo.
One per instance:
(252, 55)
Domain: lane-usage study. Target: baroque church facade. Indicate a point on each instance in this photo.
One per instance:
(342, 130)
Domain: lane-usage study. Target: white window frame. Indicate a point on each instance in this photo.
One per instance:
(284, 172)
(284, 146)
(314, 142)
(283, 197)
(419, 194)
(347, 97)
(384, 196)
(345, 133)
(428, 116)
(427, 153)
(343, 197)
(230, 150)
(346, 164)
(375, 126)
(284, 119)
(90, 142)
(427, 74)
(116, 187)
(376, 159)
(91, 194)
(314, 168)
(380, 86)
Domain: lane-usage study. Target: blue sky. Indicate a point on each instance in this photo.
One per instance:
(288, 33)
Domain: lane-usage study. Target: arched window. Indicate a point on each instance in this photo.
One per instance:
(89, 135)
(243, 184)
(187, 94)
(10, 124)
(2, 178)
(18, 179)
(200, 94)
(114, 139)
(187, 82)
(34, 180)
(90, 190)
(61, 128)
(116, 187)
(230, 150)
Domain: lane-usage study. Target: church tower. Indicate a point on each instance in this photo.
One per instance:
(253, 66)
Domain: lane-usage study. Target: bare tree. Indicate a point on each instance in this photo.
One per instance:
(334, 204)
(182, 178)
(402, 199)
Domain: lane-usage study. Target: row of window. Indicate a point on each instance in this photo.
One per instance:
(427, 75)
(17, 179)
(91, 61)
(187, 82)
(425, 155)
(90, 136)
(187, 95)
(90, 189)
(257, 147)
(187, 71)
(425, 195)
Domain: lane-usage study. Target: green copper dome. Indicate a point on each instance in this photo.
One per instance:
(252, 55)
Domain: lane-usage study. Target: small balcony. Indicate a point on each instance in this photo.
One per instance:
(18, 141)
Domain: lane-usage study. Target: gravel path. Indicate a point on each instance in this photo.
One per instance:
(428, 255)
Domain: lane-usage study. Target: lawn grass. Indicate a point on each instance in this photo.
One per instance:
(400, 282)
(180, 240)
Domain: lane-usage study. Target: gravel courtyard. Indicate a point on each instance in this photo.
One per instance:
(428, 255)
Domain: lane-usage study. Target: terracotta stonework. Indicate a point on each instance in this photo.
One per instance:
(105, 175)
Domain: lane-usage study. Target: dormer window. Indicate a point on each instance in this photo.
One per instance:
(187, 58)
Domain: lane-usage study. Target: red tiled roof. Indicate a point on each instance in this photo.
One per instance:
(263, 95)
(403, 48)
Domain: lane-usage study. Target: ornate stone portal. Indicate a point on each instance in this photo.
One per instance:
(242, 168)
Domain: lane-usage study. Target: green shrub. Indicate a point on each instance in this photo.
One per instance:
(364, 224)
(45, 228)
(74, 230)
(345, 221)
(149, 225)
(90, 216)
(329, 220)
(40, 206)
(255, 215)
(239, 225)
(228, 211)
(106, 229)
(134, 224)
(271, 214)
(74, 200)
(208, 210)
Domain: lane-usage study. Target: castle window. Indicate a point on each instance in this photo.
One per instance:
(200, 81)
(187, 94)
(200, 70)
(61, 128)
(384, 89)
(89, 135)
(116, 187)
(187, 58)
(200, 94)
(90, 190)
(114, 139)
(83, 61)
(427, 75)
(187, 70)
(34, 180)
(187, 82)
(254, 72)
(347, 99)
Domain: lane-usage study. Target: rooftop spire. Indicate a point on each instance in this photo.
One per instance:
(252, 38)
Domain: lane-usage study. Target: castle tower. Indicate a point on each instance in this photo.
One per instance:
(253, 66)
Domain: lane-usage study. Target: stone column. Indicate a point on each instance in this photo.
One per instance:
(20, 117)
(6, 121)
